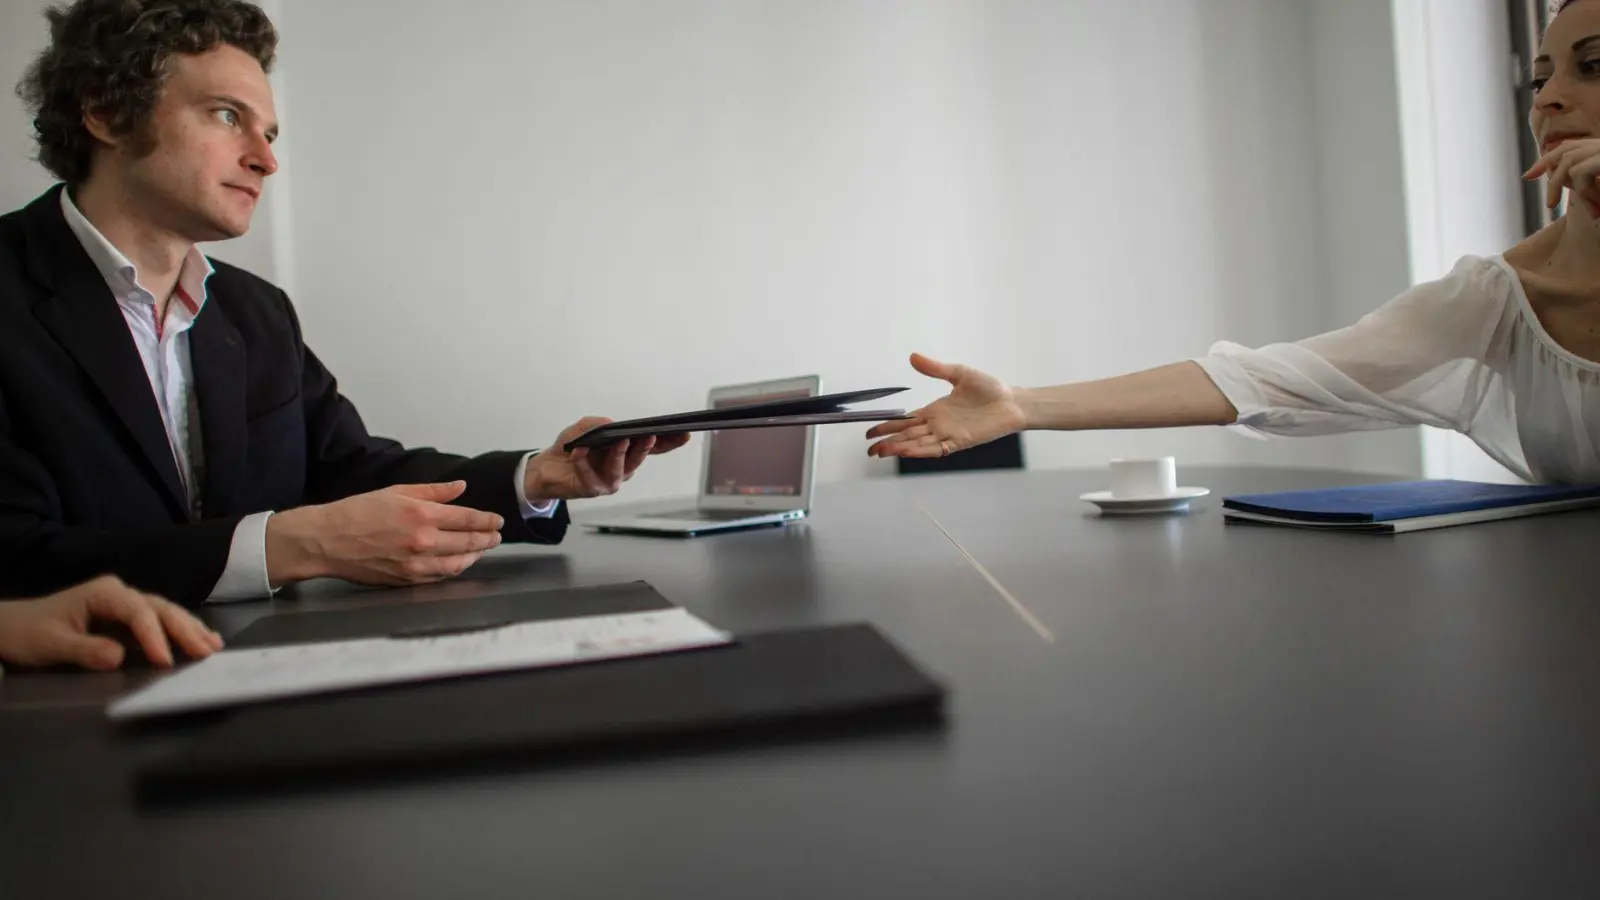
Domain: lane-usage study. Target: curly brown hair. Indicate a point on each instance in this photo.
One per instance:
(110, 58)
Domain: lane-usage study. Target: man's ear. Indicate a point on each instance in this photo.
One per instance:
(100, 129)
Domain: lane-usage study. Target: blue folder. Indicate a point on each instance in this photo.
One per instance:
(1420, 503)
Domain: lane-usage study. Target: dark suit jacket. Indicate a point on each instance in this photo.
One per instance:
(88, 484)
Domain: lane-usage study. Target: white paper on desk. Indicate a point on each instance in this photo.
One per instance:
(233, 677)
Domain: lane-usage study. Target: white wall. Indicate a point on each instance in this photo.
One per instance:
(23, 32)
(1458, 114)
(506, 215)
(552, 209)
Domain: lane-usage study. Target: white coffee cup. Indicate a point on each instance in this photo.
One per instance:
(1134, 479)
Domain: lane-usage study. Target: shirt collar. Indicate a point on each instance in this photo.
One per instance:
(119, 271)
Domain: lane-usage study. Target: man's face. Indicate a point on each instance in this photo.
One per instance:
(207, 150)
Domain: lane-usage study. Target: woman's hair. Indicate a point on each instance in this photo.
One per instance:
(110, 58)
(1556, 6)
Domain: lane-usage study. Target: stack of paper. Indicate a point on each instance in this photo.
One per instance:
(233, 677)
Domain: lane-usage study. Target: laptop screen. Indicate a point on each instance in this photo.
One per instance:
(757, 462)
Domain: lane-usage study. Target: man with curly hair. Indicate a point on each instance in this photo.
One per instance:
(161, 418)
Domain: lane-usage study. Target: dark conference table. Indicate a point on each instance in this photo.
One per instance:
(1195, 710)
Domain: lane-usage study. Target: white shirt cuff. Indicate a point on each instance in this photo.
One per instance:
(245, 576)
(543, 509)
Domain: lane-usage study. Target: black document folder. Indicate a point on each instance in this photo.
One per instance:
(400, 618)
(827, 680)
(822, 410)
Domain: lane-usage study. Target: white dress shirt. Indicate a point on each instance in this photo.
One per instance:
(1464, 352)
(164, 348)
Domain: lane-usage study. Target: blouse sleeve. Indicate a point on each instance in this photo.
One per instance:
(1431, 356)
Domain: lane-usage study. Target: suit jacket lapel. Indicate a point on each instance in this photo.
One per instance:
(216, 356)
(84, 317)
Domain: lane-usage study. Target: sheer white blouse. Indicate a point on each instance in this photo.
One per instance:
(1465, 353)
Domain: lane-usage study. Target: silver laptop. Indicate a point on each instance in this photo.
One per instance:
(748, 476)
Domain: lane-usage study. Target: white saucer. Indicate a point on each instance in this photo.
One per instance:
(1177, 501)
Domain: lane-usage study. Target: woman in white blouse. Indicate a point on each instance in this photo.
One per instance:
(1505, 349)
